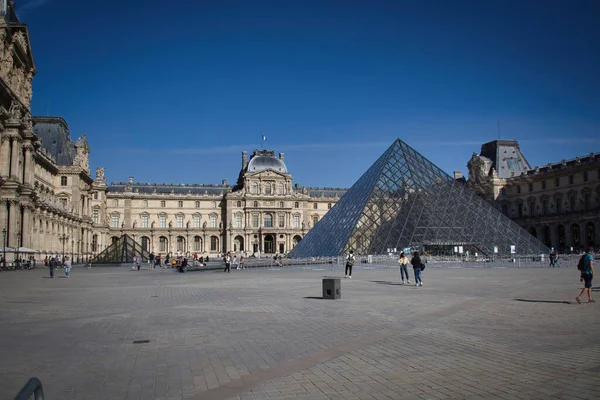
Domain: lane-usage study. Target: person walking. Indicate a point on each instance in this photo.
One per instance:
(349, 264)
(242, 261)
(417, 266)
(403, 261)
(138, 262)
(151, 261)
(52, 266)
(67, 265)
(227, 260)
(587, 274)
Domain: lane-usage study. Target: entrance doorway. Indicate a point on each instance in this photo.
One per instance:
(269, 244)
(281, 248)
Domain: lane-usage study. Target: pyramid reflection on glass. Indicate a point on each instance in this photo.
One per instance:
(121, 251)
(405, 201)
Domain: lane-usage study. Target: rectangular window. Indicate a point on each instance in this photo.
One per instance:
(95, 195)
(145, 203)
(544, 207)
(531, 208)
(63, 181)
(315, 220)
(162, 221)
(163, 203)
(255, 221)
(557, 181)
(197, 204)
(296, 221)
(315, 206)
(95, 216)
(180, 204)
(144, 221)
(282, 221)
(180, 221)
(238, 221)
(213, 221)
(196, 221)
(116, 203)
(115, 221)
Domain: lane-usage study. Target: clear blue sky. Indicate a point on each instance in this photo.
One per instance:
(173, 91)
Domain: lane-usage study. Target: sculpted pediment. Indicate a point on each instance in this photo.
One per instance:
(269, 173)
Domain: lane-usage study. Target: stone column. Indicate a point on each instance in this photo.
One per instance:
(28, 165)
(12, 227)
(4, 155)
(14, 160)
(27, 231)
(568, 238)
(3, 216)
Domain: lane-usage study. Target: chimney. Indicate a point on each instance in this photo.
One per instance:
(244, 159)
(131, 179)
(224, 182)
(457, 174)
(281, 156)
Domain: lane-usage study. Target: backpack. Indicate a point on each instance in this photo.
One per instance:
(422, 266)
(350, 261)
(581, 263)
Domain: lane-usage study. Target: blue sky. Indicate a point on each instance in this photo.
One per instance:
(173, 91)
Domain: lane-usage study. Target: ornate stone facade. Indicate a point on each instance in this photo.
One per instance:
(42, 199)
(558, 203)
(263, 213)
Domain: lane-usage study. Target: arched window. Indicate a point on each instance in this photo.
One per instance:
(197, 243)
(268, 220)
(214, 243)
(315, 220)
(239, 203)
(296, 205)
(281, 204)
(180, 244)
(162, 244)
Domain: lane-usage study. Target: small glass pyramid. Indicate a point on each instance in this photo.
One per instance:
(405, 201)
(121, 251)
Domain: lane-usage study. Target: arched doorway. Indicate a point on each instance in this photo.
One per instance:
(269, 244)
(162, 244)
(561, 236)
(576, 235)
(590, 230)
(238, 243)
(296, 239)
(145, 243)
(114, 239)
(533, 231)
(547, 236)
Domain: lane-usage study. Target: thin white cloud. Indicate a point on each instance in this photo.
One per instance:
(31, 5)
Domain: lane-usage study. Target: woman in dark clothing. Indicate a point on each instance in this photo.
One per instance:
(416, 263)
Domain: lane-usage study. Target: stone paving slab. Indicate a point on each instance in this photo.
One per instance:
(501, 333)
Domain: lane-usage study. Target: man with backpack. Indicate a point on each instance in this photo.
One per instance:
(586, 266)
(349, 264)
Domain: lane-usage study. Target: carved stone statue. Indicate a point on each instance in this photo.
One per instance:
(6, 64)
(15, 111)
(100, 173)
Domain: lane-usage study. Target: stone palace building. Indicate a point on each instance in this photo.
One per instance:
(558, 203)
(51, 204)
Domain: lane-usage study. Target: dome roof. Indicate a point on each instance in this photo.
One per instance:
(263, 159)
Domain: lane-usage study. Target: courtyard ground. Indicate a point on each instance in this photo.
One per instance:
(468, 333)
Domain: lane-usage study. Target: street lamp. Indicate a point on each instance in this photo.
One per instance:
(72, 249)
(4, 248)
(18, 245)
(64, 239)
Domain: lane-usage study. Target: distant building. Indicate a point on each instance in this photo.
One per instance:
(558, 203)
(263, 213)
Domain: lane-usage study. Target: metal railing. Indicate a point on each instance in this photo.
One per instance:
(34, 388)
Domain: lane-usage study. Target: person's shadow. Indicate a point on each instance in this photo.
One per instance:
(543, 301)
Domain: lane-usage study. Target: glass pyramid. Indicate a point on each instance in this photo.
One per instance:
(121, 251)
(405, 201)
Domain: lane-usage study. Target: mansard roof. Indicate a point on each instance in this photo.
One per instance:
(166, 188)
(506, 156)
(325, 191)
(56, 138)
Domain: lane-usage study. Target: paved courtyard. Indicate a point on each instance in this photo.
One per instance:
(498, 333)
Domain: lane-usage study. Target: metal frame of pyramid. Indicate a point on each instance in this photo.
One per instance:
(121, 251)
(405, 201)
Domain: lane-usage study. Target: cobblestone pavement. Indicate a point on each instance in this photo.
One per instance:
(498, 333)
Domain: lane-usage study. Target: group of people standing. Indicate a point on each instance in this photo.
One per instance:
(54, 262)
(416, 263)
(237, 263)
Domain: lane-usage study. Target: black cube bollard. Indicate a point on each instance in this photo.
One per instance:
(332, 288)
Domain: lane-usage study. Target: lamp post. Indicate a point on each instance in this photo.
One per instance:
(4, 248)
(18, 245)
(72, 249)
(63, 239)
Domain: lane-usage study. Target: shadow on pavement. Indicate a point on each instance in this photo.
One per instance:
(389, 283)
(544, 301)
(313, 298)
